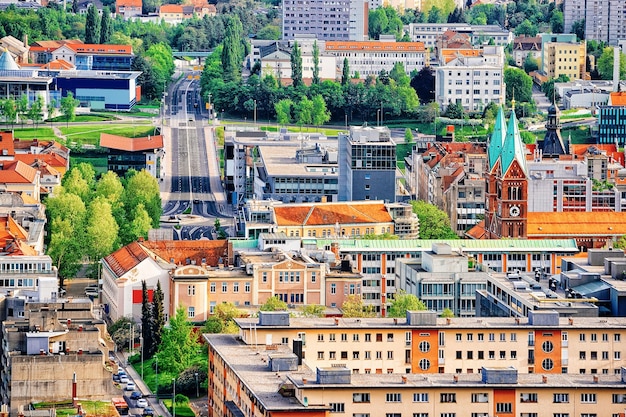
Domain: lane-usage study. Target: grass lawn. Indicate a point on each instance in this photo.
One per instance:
(92, 117)
(99, 164)
(90, 134)
(182, 410)
(100, 408)
(43, 133)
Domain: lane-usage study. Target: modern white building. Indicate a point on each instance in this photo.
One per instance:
(473, 81)
(584, 93)
(329, 20)
(479, 34)
(605, 20)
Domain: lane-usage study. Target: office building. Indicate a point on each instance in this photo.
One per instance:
(343, 20)
(367, 164)
(612, 120)
(429, 33)
(133, 153)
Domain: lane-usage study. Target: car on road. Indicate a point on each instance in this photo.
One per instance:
(142, 403)
(130, 386)
(148, 412)
(135, 395)
(116, 378)
(92, 292)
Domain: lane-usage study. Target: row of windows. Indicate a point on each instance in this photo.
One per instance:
(332, 337)
(212, 287)
(343, 355)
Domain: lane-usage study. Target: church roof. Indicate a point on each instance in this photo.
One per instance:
(497, 139)
(513, 148)
(7, 62)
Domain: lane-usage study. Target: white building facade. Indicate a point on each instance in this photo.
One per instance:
(328, 20)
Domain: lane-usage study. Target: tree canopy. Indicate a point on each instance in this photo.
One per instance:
(273, 304)
(434, 223)
(605, 64)
(179, 344)
(404, 302)
(353, 306)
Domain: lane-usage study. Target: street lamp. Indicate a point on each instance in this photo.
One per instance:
(174, 398)
(141, 342)
(382, 113)
(254, 113)
(197, 388)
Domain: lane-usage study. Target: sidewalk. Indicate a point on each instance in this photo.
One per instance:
(157, 406)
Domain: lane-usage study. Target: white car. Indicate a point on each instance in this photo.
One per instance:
(92, 292)
(130, 386)
(124, 379)
(142, 403)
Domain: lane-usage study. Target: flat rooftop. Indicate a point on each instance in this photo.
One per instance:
(280, 161)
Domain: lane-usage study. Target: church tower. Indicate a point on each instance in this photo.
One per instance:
(507, 182)
(552, 144)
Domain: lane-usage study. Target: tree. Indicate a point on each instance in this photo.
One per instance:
(296, 65)
(526, 28)
(274, 304)
(408, 135)
(35, 112)
(106, 26)
(179, 345)
(120, 332)
(434, 223)
(404, 302)
(283, 111)
(530, 64)
(110, 187)
(398, 74)
(75, 6)
(548, 87)
(578, 27)
(519, 85)
(457, 16)
(320, 113)
(304, 112)
(22, 108)
(101, 229)
(92, 25)
(316, 63)
(139, 225)
(74, 183)
(146, 320)
(605, 64)
(454, 110)
(435, 15)
(142, 188)
(345, 74)
(556, 21)
(424, 84)
(233, 51)
(68, 106)
(160, 58)
(158, 319)
(377, 23)
(313, 310)
(269, 32)
(9, 111)
(447, 313)
(353, 307)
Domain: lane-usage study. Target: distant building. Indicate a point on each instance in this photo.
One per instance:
(604, 20)
(134, 153)
(429, 33)
(342, 20)
(589, 94)
(612, 120)
(367, 164)
(128, 8)
(523, 46)
(562, 54)
(17, 48)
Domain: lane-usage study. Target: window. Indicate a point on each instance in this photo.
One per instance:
(547, 364)
(355, 354)
(379, 354)
(320, 355)
(504, 408)
(393, 397)
(617, 355)
(355, 337)
(320, 337)
(235, 287)
(191, 290)
(393, 415)
(337, 407)
(313, 276)
(588, 398)
(224, 286)
(547, 346)
(424, 346)
(390, 354)
(212, 287)
(333, 288)
(616, 337)
(459, 354)
(344, 355)
(492, 337)
(246, 287)
(447, 397)
(480, 398)
(424, 364)
(363, 397)
(594, 337)
(368, 337)
(582, 355)
(368, 354)
(420, 414)
(420, 397)
(582, 337)
(191, 312)
(481, 337)
(344, 337)
(560, 398)
(264, 276)
(528, 397)
(331, 337)
(332, 355)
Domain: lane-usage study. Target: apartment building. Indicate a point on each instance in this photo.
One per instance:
(523, 46)
(604, 20)
(369, 58)
(562, 54)
(429, 33)
(612, 120)
(341, 20)
(472, 81)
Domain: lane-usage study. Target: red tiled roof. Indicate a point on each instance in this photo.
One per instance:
(17, 172)
(128, 3)
(131, 144)
(52, 159)
(171, 8)
(6, 144)
(477, 231)
(182, 252)
(331, 213)
(374, 46)
(58, 64)
(126, 258)
(576, 224)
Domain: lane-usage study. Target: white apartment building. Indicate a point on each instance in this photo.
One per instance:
(473, 82)
(605, 20)
(370, 57)
(329, 20)
(479, 34)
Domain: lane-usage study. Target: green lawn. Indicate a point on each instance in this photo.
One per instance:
(99, 163)
(182, 410)
(90, 134)
(92, 117)
(43, 133)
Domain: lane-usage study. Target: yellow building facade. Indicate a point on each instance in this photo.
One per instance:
(564, 58)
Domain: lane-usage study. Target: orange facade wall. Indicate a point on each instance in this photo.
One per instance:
(503, 396)
(544, 340)
(420, 338)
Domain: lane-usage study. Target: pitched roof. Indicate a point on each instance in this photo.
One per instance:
(58, 64)
(576, 224)
(513, 149)
(6, 144)
(131, 144)
(527, 43)
(7, 62)
(617, 99)
(171, 8)
(497, 139)
(17, 172)
(52, 159)
(183, 252)
(331, 213)
(126, 258)
(128, 3)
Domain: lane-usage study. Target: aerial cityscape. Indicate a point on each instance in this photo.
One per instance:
(279, 208)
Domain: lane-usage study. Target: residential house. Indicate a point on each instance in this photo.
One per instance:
(428, 33)
(128, 8)
(171, 13)
(524, 46)
(134, 153)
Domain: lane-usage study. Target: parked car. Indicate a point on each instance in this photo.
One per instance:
(142, 403)
(130, 386)
(135, 395)
(116, 378)
(124, 379)
(148, 412)
(92, 292)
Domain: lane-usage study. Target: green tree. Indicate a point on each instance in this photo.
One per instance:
(316, 63)
(454, 111)
(283, 111)
(158, 319)
(146, 320)
(398, 74)
(110, 187)
(424, 84)
(345, 74)
(101, 229)
(35, 112)
(274, 304)
(233, 51)
(377, 23)
(179, 345)
(530, 64)
(74, 6)
(269, 32)
(139, 226)
(106, 26)
(22, 108)
(404, 302)
(353, 306)
(313, 310)
(142, 188)
(519, 85)
(435, 15)
(160, 59)
(92, 25)
(527, 28)
(74, 183)
(408, 135)
(447, 313)
(296, 65)
(304, 112)
(556, 21)
(320, 113)
(9, 111)
(68, 106)
(434, 223)
(605, 64)
(578, 27)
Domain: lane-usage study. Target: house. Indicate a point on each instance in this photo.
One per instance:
(524, 46)
(134, 153)
(128, 8)
(171, 13)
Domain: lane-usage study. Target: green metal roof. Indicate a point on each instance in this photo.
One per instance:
(512, 245)
(513, 147)
(497, 139)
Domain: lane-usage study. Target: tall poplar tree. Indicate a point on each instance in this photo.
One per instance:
(296, 65)
(158, 319)
(345, 75)
(106, 26)
(233, 50)
(92, 25)
(316, 63)
(146, 321)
